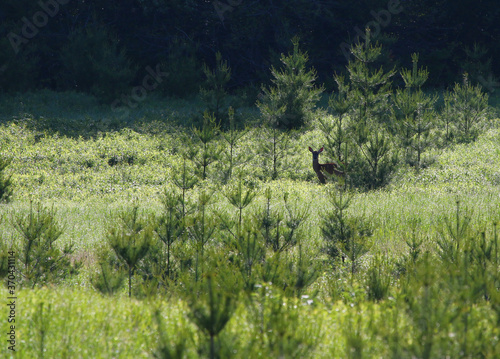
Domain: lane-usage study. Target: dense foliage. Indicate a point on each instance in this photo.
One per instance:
(225, 254)
(60, 45)
(137, 226)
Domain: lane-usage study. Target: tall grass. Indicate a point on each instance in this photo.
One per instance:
(89, 180)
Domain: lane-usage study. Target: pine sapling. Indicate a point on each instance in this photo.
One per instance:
(130, 237)
(211, 311)
(201, 228)
(170, 226)
(232, 137)
(213, 92)
(240, 198)
(41, 260)
(206, 136)
(291, 100)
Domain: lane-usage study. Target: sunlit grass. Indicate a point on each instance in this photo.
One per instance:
(88, 180)
(79, 178)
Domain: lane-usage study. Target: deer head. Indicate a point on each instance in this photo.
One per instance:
(315, 153)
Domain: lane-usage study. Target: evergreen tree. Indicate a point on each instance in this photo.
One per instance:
(467, 106)
(184, 178)
(413, 113)
(108, 280)
(201, 227)
(232, 137)
(290, 102)
(273, 148)
(169, 228)
(478, 66)
(345, 234)
(41, 261)
(94, 61)
(130, 238)
(370, 88)
(335, 131)
(211, 310)
(206, 136)
(213, 92)
(370, 91)
(240, 198)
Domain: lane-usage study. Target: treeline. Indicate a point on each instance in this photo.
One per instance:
(100, 47)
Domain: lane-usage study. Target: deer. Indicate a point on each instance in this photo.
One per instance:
(331, 168)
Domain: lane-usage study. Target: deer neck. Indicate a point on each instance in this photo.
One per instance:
(316, 165)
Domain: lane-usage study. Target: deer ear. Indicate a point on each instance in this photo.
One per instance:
(321, 150)
(310, 149)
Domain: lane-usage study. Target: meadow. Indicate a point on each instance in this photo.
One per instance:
(256, 269)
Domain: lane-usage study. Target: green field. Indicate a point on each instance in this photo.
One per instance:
(378, 303)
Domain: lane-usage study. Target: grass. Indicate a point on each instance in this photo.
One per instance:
(87, 179)
(77, 323)
(81, 324)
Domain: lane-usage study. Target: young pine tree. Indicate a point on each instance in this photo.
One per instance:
(205, 137)
(370, 91)
(290, 102)
(201, 227)
(41, 261)
(232, 137)
(185, 179)
(273, 148)
(211, 310)
(370, 88)
(467, 106)
(169, 228)
(240, 198)
(130, 237)
(335, 131)
(413, 113)
(167, 347)
(109, 279)
(345, 235)
(213, 92)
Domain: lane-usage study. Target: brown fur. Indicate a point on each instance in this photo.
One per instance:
(331, 168)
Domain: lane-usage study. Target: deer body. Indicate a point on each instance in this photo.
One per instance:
(331, 168)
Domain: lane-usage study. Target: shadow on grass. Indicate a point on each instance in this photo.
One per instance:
(76, 115)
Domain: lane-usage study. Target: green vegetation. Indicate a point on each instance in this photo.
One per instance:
(40, 260)
(400, 249)
(290, 102)
(147, 238)
(5, 182)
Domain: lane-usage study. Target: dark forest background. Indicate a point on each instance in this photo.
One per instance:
(101, 47)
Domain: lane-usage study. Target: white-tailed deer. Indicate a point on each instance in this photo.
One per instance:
(331, 168)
